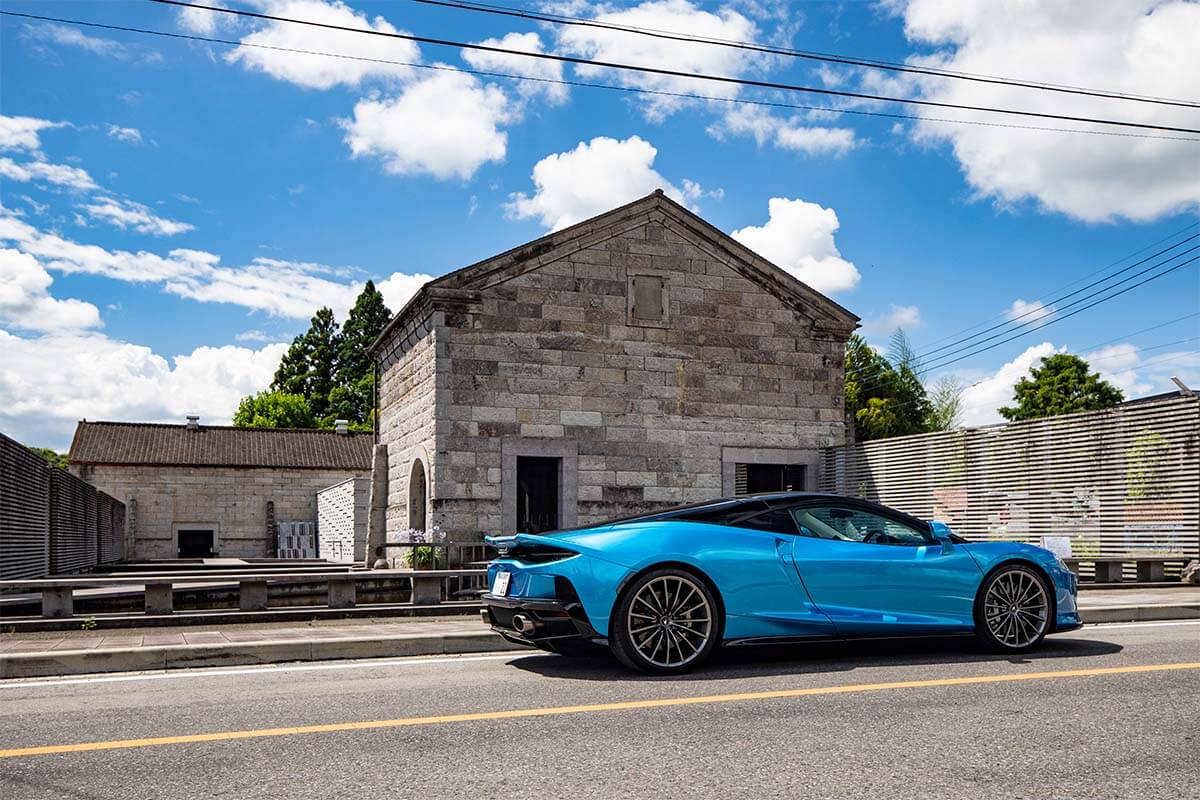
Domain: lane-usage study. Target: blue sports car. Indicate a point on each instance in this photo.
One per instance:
(664, 590)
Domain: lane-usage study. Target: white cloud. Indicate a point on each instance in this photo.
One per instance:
(1032, 314)
(446, 125)
(127, 135)
(672, 15)
(398, 288)
(97, 377)
(25, 300)
(1143, 47)
(594, 177)
(284, 288)
(21, 133)
(73, 37)
(907, 318)
(204, 23)
(256, 336)
(786, 134)
(322, 72)
(982, 399)
(519, 65)
(126, 214)
(57, 174)
(798, 236)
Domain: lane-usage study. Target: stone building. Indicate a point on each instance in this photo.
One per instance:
(639, 359)
(195, 491)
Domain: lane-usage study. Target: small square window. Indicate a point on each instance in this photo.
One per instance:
(649, 300)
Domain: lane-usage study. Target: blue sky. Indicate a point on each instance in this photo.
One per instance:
(174, 211)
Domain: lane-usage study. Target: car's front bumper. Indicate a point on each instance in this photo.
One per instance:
(551, 619)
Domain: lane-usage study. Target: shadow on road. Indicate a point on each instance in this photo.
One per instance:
(816, 658)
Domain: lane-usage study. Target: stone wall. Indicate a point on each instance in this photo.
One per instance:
(160, 499)
(650, 413)
(407, 390)
(342, 520)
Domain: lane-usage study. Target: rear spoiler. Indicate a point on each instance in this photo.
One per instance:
(522, 542)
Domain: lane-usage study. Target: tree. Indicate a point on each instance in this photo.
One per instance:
(1062, 384)
(308, 367)
(353, 398)
(945, 405)
(53, 456)
(884, 396)
(274, 410)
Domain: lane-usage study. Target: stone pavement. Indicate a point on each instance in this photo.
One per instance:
(30, 654)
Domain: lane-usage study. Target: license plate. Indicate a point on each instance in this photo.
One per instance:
(500, 585)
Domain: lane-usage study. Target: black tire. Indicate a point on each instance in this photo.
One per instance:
(1010, 614)
(694, 641)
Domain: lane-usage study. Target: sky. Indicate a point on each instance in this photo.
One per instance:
(172, 212)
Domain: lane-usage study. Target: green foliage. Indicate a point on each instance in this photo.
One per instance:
(945, 405)
(54, 457)
(884, 397)
(423, 557)
(274, 410)
(329, 368)
(1062, 384)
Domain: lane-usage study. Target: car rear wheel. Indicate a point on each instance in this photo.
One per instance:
(1013, 611)
(665, 622)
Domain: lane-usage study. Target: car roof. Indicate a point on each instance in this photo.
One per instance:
(766, 500)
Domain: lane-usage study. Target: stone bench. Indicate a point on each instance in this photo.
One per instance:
(1110, 569)
(58, 594)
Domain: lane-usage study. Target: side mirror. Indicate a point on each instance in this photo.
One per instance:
(941, 533)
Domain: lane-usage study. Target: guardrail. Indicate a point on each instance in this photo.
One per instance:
(1110, 569)
(58, 594)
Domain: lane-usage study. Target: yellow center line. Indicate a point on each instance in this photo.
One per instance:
(736, 697)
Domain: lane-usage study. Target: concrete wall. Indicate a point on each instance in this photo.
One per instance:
(159, 500)
(342, 520)
(647, 415)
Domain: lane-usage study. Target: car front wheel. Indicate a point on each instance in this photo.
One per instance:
(1013, 611)
(665, 622)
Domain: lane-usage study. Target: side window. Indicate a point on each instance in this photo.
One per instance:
(853, 525)
(777, 520)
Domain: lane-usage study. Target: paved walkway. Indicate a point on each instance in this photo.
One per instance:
(1101, 604)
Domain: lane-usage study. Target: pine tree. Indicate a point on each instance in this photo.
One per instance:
(884, 397)
(324, 344)
(353, 398)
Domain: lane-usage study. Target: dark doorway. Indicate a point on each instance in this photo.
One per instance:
(537, 493)
(755, 478)
(196, 544)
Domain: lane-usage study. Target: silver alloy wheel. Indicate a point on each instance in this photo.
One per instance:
(1016, 608)
(670, 621)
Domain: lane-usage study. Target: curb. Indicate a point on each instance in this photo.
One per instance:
(183, 656)
(1145, 613)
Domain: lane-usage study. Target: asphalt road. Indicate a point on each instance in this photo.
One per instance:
(1110, 711)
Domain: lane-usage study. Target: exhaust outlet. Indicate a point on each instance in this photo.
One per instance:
(523, 624)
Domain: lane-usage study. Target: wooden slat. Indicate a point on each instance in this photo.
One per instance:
(1121, 481)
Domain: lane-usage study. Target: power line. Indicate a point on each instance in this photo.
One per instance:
(1038, 311)
(1081, 279)
(973, 349)
(890, 66)
(586, 84)
(723, 79)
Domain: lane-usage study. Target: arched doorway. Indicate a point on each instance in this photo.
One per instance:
(416, 496)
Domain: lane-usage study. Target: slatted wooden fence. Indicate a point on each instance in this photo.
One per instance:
(52, 522)
(1118, 482)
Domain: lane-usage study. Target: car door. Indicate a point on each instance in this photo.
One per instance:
(875, 574)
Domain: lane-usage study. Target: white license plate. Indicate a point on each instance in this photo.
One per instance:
(500, 585)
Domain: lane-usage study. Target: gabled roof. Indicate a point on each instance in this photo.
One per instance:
(655, 206)
(142, 443)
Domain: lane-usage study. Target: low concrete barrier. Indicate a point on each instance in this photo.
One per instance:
(342, 587)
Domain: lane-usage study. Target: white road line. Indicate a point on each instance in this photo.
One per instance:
(1097, 625)
(19, 683)
(193, 674)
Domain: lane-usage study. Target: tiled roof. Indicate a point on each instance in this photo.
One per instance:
(219, 446)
